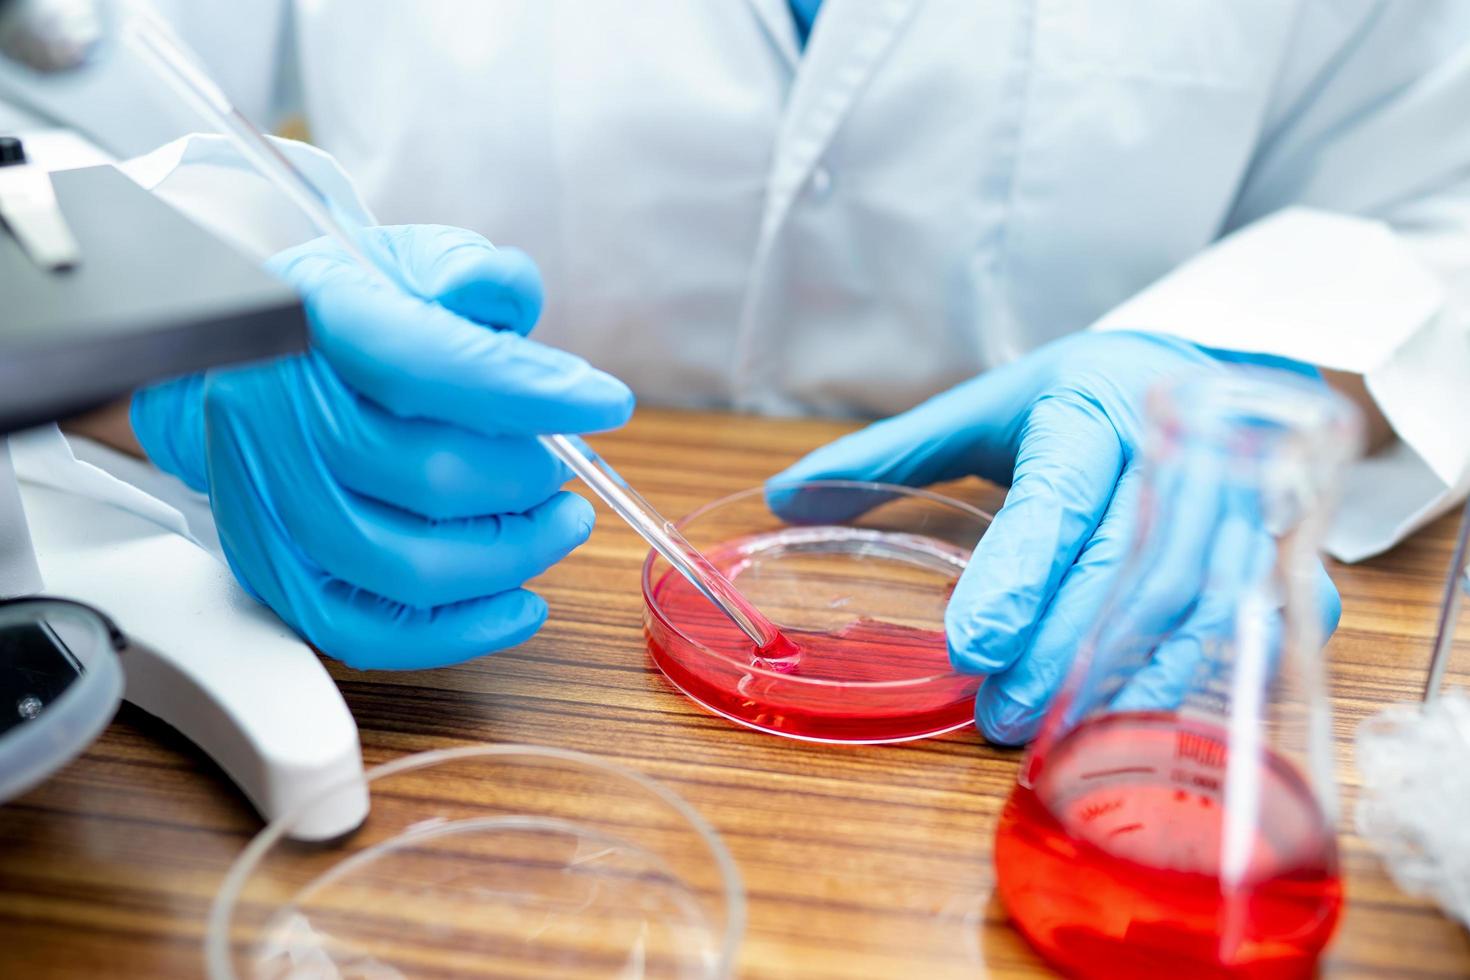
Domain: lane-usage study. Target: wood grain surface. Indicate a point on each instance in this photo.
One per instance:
(861, 862)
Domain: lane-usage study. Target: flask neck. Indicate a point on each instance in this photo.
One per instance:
(1221, 581)
(1278, 449)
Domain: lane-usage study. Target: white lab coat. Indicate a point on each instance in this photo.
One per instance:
(932, 188)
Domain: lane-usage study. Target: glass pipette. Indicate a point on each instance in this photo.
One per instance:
(157, 45)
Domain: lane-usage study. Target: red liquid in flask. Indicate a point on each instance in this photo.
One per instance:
(1111, 864)
(867, 681)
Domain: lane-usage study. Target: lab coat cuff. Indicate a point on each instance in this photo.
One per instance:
(1348, 294)
(206, 178)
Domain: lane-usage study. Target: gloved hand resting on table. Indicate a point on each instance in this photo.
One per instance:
(1063, 426)
(383, 493)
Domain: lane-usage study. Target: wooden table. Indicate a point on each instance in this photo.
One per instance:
(859, 862)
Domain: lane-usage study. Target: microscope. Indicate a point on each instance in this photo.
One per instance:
(51, 35)
(105, 288)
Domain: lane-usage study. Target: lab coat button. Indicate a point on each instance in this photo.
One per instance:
(821, 184)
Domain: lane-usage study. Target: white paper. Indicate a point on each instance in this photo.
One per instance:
(206, 179)
(43, 457)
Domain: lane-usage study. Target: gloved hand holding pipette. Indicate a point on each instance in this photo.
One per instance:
(384, 493)
(1063, 427)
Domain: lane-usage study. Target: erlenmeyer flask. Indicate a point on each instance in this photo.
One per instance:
(1176, 814)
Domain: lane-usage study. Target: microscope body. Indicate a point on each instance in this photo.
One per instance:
(152, 295)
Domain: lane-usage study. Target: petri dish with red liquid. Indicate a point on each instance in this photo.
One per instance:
(1114, 860)
(857, 577)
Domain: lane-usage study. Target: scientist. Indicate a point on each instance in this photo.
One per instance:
(783, 206)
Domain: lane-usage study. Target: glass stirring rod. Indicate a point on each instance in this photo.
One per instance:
(1449, 610)
(154, 41)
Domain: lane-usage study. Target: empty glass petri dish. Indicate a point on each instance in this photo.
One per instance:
(857, 575)
(503, 861)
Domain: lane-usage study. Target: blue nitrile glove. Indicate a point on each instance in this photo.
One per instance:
(1063, 426)
(383, 492)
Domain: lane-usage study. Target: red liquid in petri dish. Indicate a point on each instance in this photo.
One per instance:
(1111, 865)
(867, 681)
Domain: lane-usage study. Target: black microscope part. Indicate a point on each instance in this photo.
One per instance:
(12, 151)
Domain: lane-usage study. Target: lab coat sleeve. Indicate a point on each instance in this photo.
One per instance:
(1349, 248)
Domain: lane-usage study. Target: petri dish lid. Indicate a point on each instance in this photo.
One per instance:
(502, 861)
